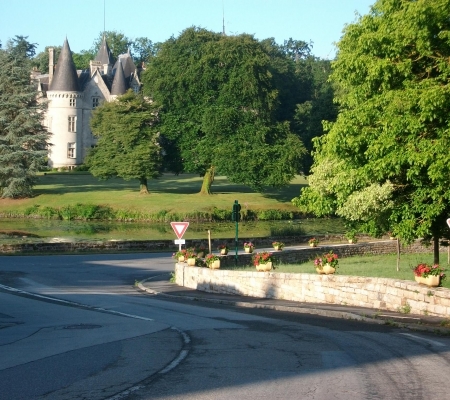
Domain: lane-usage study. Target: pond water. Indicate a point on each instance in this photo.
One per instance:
(38, 230)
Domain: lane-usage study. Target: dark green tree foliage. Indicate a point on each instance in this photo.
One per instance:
(220, 104)
(313, 74)
(83, 58)
(41, 60)
(128, 146)
(385, 162)
(23, 146)
(142, 49)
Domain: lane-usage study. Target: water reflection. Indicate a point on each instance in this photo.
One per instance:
(32, 230)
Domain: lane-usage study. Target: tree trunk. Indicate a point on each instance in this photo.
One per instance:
(208, 180)
(436, 249)
(143, 185)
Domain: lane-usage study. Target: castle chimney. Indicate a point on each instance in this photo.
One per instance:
(51, 66)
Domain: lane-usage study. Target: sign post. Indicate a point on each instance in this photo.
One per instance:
(236, 216)
(179, 228)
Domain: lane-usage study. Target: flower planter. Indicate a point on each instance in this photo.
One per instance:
(181, 259)
(224, 252)
(320, 271)
(430, 280)
(191, 262)
(312, 245)
(201, 254)
(278, 248)
(264, 267)
(327, 269)
(215, 264)
(248, 250)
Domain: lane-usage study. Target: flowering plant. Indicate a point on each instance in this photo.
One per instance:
(313, 241)
(200, 249)
(222, 246)
(280, 245)
(248, 245)
(190, 253)
(179, 253)
(328, 258)
(262, 258)
(210, 258)
(424, 270)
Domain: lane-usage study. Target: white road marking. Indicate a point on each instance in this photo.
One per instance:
(422, 339)
(72, 303)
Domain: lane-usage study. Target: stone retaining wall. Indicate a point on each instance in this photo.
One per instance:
(378, 293)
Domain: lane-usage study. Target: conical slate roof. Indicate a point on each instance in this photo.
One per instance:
(65, 77)
(127, 64)
(104, 54)
(119, 85)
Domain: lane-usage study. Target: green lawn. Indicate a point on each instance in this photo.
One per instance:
(170, 192)
(382, 266)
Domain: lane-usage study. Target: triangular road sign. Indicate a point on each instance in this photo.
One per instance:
(179, 228)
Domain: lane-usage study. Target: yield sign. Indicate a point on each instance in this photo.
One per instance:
(448, 222)
(179, 228)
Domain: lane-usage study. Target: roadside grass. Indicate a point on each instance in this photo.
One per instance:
(170, 193)
(375, 266)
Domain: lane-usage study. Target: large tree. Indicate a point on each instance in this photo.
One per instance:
(128, 140)
(220, 108)
(23, 138)
(385, 162)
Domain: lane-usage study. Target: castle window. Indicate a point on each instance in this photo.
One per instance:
(72, 124)
(72, 102)
(71, 153)
(95, 102)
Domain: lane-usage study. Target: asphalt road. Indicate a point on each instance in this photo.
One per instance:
(77, 327)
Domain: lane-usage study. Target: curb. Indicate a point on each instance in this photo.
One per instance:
(380, 319)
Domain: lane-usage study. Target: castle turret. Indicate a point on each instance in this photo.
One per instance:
(103, 60)
(119, 85)
(65, 76)
(64, 113)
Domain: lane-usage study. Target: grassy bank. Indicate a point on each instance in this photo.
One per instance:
(79, 195)
(376, 266)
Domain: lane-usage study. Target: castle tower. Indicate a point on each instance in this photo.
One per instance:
(103, 61)
(64, 117)
(119, 85)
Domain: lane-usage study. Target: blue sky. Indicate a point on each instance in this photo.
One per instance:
(48, 22)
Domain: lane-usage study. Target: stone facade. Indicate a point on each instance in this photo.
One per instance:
(378, 293)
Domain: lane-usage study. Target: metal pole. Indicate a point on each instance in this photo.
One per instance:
(236, 243)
